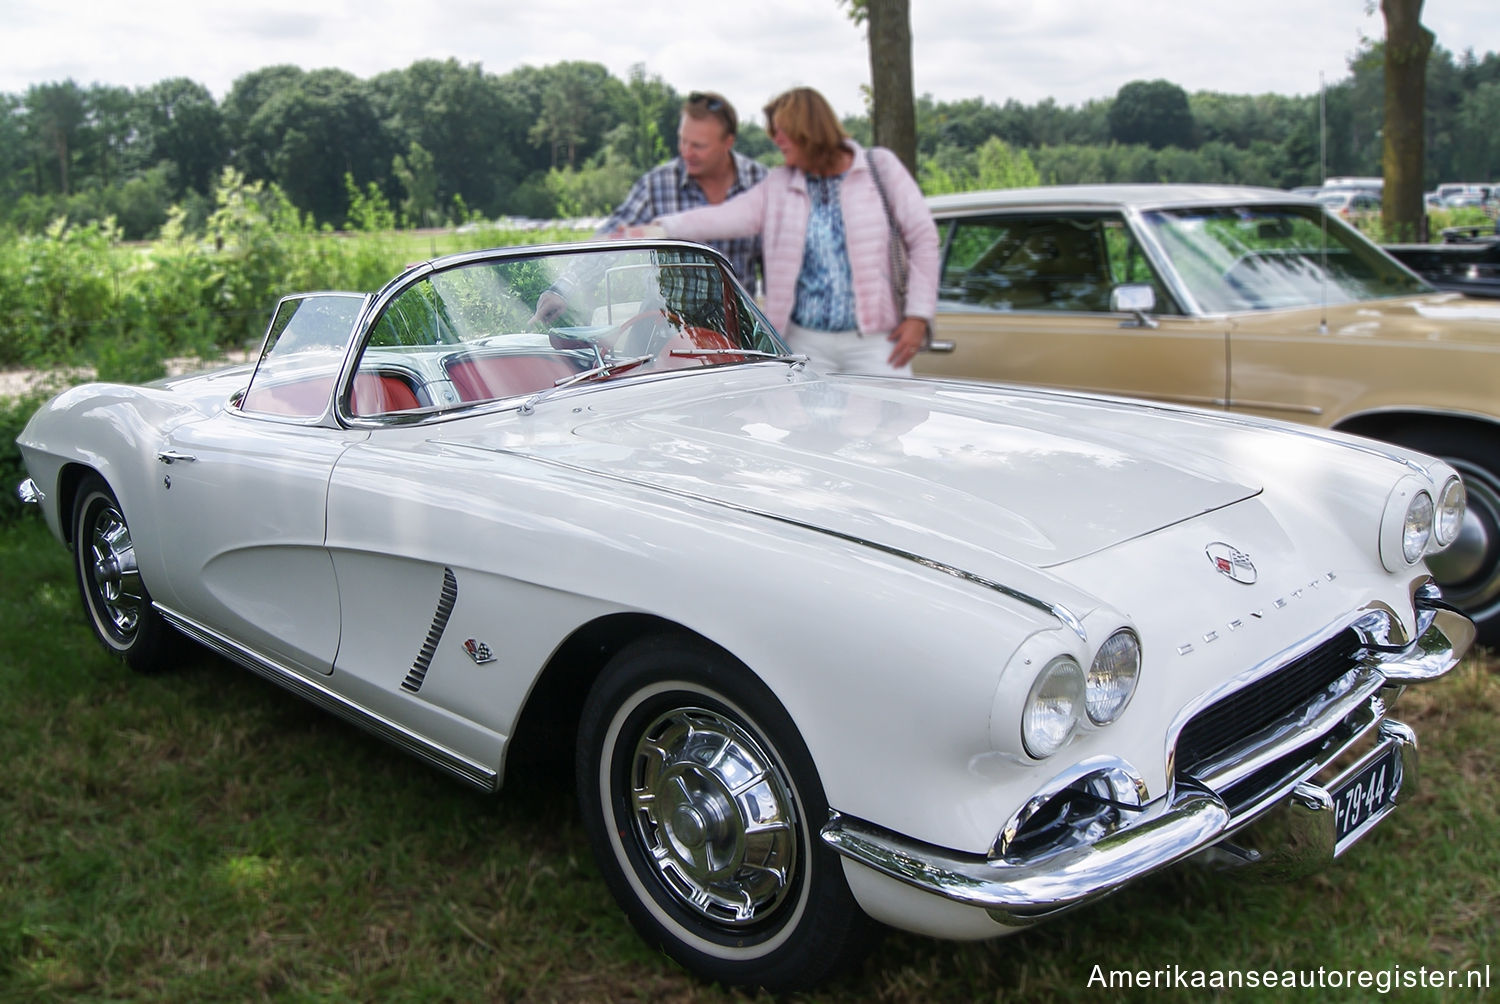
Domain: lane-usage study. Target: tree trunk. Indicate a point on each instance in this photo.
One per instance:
(1407, 43)
(893, 119)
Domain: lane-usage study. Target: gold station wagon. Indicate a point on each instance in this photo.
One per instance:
(1246, 299)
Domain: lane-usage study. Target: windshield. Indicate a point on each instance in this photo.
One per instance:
(512, 326)
(1238, 258)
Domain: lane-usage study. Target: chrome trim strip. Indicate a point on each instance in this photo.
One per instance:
(480, 776)
(1186, 821)
(29, 493)
(1069, 619)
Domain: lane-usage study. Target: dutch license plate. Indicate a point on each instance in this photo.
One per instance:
(1365, 794)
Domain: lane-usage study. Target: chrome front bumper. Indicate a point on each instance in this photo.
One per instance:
(1188, 821)
(28, 492)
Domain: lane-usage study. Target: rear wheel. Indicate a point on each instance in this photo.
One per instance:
(702, 806)
(1469, 571)
(109, 581)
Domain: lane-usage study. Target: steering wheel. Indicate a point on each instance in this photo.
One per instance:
(645, 334)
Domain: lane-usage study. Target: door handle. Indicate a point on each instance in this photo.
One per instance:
(172, 456)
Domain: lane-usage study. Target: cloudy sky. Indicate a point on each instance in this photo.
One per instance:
(1069, 50)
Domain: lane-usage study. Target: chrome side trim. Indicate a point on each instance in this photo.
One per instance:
(29, 493)
(476, 774)
(1068, 619)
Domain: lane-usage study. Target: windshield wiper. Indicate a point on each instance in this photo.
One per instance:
(602, 371)
(755, 353)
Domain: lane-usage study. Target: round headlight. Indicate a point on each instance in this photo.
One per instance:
(1053, 707)
(1112, 676)
(1450, 512)
(1416, 531)
(1406, 525)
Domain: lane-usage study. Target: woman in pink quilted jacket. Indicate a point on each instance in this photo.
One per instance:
(827, 242)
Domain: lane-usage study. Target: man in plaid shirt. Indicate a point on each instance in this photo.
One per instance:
(706, 171)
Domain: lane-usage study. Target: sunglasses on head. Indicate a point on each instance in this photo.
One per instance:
(699, 98)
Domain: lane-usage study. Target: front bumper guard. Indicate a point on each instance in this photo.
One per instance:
(1186, 822)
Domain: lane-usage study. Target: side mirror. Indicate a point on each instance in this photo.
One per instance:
(1133, 298)
(1136, 298)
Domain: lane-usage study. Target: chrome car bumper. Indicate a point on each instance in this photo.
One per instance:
(28, 492)
(1019, 890)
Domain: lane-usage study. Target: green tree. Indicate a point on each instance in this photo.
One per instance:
(469, 121)
(651, 111)
(1478, 115)
(316, 130)
(181, 124)
(109, 142)
(418, 177)
(55, 116)
(1153, 112)
(578, 103)
(248, 145)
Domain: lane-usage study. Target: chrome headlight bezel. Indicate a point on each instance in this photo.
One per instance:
(1406, 526)
(1054, 707)
(1112, 677)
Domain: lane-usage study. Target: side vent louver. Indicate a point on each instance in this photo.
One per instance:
(446, 599)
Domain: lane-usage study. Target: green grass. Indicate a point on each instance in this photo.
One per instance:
(200, 835)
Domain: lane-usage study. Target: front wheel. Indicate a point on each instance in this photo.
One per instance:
(109, 581)
(1469, 570)
(702, 807)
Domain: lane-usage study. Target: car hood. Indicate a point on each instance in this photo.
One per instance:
(936, 470)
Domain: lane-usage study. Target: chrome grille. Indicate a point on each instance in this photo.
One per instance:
(1263, 702)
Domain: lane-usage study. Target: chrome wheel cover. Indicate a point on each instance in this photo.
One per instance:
(109, 568)
(712, 813)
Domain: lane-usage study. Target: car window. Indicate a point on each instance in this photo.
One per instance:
(1234, 258)
(301, 356)
(473, 332)
(1047, 263)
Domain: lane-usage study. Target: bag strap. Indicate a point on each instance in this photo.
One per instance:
(897, 239)
(897, 244)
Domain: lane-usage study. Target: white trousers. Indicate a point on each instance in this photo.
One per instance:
(845, 351)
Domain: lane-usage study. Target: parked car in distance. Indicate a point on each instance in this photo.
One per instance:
(1452, 189)
(1465, 200)
(1248, 300)
(1355, 205)
(822, 650)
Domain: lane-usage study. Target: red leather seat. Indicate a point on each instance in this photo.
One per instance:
(485, 378)
(381, 394)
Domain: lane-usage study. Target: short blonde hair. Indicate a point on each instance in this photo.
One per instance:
(806, 118)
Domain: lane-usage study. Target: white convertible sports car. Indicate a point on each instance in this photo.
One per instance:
(828, 650)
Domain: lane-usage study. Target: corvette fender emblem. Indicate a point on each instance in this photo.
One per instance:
(479, 652)
(1231, 562)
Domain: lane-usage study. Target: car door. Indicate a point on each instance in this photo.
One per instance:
(244, 495)
(245, 501)
(1026, 297)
